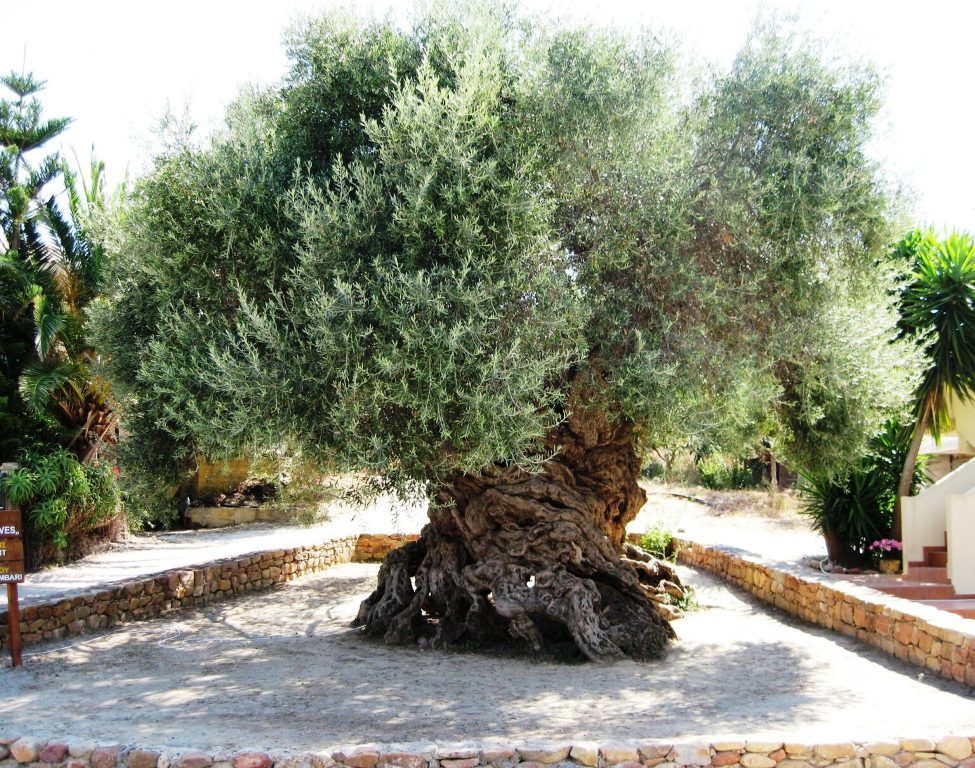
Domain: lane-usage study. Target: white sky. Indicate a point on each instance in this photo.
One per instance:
(114, 65)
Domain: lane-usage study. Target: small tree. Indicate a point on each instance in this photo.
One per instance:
(51, 271)
(491, 261)
(938, 311)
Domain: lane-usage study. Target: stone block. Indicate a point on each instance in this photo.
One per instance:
(755, 760)
(884, 748)
(194, 760)
(544, 756)
(881, 761)
(691, 754)
(404, 760)
(26, 750)
(498, 757)
(834, 751)
(53, 753)
(955, 747)
(798, 749)
(654, 751)
(359, 759)
(614, 754)
(252, 760)
(762, 747)
(142, 758)
(919, 745)
(459, 762)
(581, 754)
(725, 746)
(80, 749)
(725, 757)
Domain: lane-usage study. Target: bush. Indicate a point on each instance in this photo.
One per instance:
(61, 497)
(655, 470)
(721, 473)
(659, 542)
(857, 508)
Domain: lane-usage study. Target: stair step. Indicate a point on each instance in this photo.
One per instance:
(935, 557)
(927, 574)
(918, 590)
(965, 608)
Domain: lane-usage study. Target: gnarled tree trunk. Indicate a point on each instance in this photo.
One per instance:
(540, 557)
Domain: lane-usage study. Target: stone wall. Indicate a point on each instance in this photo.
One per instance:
(160, 593)
(373, 547)
(941, 642)
(950, 751)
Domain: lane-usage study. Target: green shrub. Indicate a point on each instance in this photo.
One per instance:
(659, 542)
(61, 497)
(655, 470)
(721, 473)
(857, 508)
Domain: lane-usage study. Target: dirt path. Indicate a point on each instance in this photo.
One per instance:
(282, 670)
(752, 522)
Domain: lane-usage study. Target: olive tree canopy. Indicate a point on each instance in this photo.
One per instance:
(497, 259)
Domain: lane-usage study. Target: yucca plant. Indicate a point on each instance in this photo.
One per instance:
(938, 309)
(857, 508)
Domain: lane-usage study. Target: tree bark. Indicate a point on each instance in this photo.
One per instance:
(538, 557)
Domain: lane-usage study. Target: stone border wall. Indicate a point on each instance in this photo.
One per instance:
(938, 641)
(941, 642)
(950, 751)
(139, 599)
(373, 547)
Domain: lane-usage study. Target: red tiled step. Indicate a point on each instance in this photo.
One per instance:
(927, 574)
(936, 556)
(918, 590)
(965, 608)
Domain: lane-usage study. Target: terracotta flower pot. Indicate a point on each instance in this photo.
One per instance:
(890, 565)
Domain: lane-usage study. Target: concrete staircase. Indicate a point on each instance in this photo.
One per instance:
(926, 581)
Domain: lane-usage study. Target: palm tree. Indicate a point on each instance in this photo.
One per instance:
(938, 309)
(50, 270)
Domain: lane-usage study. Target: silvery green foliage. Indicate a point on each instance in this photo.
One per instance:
(403, 257)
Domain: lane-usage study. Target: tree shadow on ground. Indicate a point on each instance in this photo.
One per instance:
(283, 669)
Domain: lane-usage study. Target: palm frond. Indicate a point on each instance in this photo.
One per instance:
(41, 383)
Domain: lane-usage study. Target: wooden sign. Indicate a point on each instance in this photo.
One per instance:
(11, 547)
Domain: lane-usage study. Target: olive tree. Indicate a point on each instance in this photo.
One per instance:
(494, 261)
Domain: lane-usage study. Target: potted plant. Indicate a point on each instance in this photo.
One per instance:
(887, 553)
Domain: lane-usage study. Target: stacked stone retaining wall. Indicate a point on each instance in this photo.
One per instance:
(373, 547)
(144, 598)
(950, 751)
(941, 642)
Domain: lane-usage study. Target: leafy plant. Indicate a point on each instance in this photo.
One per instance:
(62, 497)
(854, 509)
(51, 267)
(937, 310)
(659, 542)
(723, 473)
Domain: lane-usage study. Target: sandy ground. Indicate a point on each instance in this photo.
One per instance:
(282, 669)
(748, 521)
